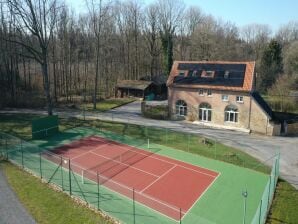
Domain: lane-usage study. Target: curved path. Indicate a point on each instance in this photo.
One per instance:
(11, 210)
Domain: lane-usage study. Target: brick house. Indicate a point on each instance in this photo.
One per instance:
(220, 94)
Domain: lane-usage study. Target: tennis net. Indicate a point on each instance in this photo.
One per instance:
(115, 165)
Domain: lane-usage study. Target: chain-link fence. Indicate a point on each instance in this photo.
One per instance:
(120, 201)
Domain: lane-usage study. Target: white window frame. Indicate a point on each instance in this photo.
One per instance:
(225, 98)
(201, 94)
(209, 91)
(181, 110)
(205, 113)
(239, 99)
(232, 115)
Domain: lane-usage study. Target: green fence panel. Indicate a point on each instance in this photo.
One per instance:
(44, 127)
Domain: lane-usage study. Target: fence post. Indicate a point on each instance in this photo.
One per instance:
(61, 170)
(22, 154)
(260, 211)
(40, 169)
(133, 204)
(188, 142)
(69, 176)
(97, 190)
(269, 192)
(180, 216)
(215, 148)
(6, 148)
(166, 136)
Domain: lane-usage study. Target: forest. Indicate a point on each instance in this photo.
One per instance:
(50, 53)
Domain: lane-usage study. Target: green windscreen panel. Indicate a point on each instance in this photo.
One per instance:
(44, 127)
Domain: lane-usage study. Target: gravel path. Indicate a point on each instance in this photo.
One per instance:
(11, 210)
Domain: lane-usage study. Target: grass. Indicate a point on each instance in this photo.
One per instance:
(285, 204)
(107, 104)
(45, 204)
(158, 112)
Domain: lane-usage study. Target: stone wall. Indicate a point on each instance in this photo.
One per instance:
(193, 100)
(251, 116)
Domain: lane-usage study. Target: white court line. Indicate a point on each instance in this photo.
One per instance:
(169, 170)
(124, 164)
(207, 188)
(152, 156)
(84, 153)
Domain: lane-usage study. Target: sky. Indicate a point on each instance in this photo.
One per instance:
(272, 12)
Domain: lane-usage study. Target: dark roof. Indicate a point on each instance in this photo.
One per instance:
(156, 79)
(220, 75)
(262, 103)
(133, 84)
(236, 73)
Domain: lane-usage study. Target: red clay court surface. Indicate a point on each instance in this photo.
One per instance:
(160, 183)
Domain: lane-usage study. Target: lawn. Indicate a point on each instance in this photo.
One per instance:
(285, 202)
(45, 204)
(108, 104)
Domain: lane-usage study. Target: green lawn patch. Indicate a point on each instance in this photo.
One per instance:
(285, 204)
(108, 104)
(45, 204)
(159, 112)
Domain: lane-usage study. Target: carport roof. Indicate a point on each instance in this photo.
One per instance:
(133, 84)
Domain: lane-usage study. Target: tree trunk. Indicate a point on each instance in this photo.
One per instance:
(44, 66)
(96, 75)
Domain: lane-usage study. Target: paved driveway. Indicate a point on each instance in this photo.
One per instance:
(259, 146)
(11, 210)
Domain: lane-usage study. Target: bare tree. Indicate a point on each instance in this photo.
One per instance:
(98, 13)
(36, 18)
(256, 36)
(170, 13)
(151, 36)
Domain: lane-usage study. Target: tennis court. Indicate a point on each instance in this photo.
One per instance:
(168, 186)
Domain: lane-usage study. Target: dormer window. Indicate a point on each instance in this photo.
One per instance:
(195, 73)
(226, 75)
(181, 73)
(207, 74)
(190, 73)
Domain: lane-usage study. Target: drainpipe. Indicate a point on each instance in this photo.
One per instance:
(249, 115)
(267, 125)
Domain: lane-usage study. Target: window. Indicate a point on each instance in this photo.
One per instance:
(192, 73)
(209, 92)
(201, 92)
(225, 97)
(205, 112)
(231, 114)
(226, 75)
(181, 73)
(239, 99)
(207, 74)
(181, 108)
